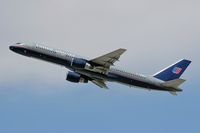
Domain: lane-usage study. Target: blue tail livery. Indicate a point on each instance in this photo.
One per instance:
(174, 71)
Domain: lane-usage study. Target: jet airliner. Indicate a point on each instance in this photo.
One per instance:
(100, 70)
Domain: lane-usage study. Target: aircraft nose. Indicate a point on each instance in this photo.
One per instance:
(15, 46)
(11, 48)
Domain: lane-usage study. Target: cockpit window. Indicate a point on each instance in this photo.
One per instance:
(19, 43)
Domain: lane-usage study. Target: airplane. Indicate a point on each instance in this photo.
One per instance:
(100, 70)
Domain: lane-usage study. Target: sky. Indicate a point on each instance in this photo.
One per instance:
(35, 97)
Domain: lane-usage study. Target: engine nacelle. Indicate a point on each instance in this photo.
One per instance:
(75, 77)
(79, 63)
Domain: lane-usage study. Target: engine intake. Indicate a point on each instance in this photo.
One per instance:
(75, 78)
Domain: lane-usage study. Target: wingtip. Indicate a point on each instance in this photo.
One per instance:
(123, 49)
(173, 93)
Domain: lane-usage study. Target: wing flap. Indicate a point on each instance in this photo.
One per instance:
(99, 83)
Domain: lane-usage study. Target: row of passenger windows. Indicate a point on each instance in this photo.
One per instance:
(129, 74)
(54, 51)
(45, 48)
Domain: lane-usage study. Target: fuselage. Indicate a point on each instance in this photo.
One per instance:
(88, 71)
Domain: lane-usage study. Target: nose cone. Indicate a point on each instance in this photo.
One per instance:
(18, 48)
(15, 46)
(12, 48)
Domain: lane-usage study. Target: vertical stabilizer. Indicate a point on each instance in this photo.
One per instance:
(174, 71)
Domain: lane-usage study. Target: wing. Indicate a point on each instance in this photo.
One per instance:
(99, 83)
(108, 60)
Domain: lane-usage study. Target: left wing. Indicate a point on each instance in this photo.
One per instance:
(97, 81)
(109, 59)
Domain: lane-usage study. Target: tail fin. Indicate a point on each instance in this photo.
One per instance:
(174, 71)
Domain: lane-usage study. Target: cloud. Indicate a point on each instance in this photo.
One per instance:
(155, 33)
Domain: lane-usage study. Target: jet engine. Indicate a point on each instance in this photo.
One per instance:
(79, 63)
(76, 78)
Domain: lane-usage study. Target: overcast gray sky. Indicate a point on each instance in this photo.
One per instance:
(156, 33)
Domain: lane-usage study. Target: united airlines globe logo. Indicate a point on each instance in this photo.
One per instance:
(177, 70)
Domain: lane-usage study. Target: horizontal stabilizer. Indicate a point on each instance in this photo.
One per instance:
(174, 83)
